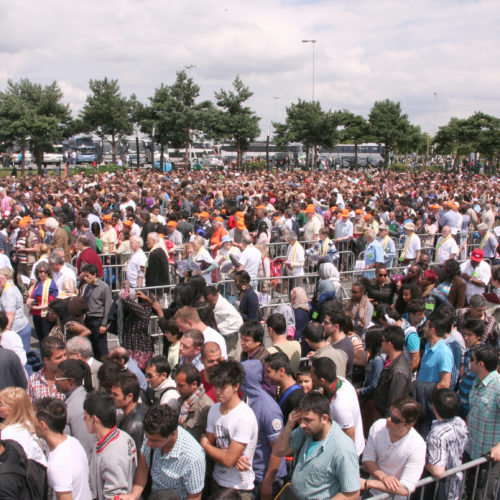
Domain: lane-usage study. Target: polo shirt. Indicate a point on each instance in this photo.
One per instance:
(373, 253)
(436, 359)
(404, 458)
(182, 469)
(483, 421)
(331, 468)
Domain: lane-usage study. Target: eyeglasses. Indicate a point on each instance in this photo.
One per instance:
(60, 379)
(384, 275)
(395, 420)
(42, 272)
(325, 322)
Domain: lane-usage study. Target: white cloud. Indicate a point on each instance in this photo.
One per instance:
(365, 50)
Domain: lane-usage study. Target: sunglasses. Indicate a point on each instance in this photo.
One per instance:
(384, 275)
(395, 420)
(60, 379)
(41, 272)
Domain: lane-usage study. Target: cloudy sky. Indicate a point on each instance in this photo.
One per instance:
(438, 58)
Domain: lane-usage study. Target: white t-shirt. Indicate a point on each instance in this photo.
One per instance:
(134, 265)
(447, 248)
(11, 340)
(68, 469)
(250, 260)
(30, 444)
(482, 272)
(212, 335)
(345, 411)
(240, 425)
(63, 278)
(404, 459)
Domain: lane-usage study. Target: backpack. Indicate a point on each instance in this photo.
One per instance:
(35, 474)
(150, 399)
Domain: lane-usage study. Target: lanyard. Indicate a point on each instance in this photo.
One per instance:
(485, 239)
(325, 246)
(440, 244)
(294, 251)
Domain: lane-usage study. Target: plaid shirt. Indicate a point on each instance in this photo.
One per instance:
(484, 415)
(491, 333)
(38, 388)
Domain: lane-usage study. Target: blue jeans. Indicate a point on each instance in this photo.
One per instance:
(25, 335)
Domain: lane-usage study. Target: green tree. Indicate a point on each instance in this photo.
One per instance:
(33, 116)
(487, 140)
(356, 131)
(308, 124)
(392, 128)
(457, 138)
(235, 121)
(107, 112)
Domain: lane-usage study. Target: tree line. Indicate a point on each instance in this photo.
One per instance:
(35, 117)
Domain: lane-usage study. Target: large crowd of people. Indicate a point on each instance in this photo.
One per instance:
(322, 335)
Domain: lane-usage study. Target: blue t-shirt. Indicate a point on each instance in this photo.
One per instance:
(436, 359)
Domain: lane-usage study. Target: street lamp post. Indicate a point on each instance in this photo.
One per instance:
(313, 42)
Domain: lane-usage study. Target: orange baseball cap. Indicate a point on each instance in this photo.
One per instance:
(344, 213)
(205, 214)
(128, 223)
(172, 223)
(219, 219)
(25, 221)
(358, 211)
(367, 216)
(106, 217)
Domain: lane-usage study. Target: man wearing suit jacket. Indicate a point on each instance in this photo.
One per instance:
(58, 237)
(157, 264)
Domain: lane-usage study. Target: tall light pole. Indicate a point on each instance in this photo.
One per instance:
(435, 113)
(313, 42)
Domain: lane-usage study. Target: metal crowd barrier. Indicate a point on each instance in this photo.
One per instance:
(473, 466)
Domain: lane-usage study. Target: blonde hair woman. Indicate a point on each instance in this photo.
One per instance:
(19, 422)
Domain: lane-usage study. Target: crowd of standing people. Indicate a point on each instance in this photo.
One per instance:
(375, 365)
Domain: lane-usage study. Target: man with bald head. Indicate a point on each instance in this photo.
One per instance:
(446, 247)
(211, 356)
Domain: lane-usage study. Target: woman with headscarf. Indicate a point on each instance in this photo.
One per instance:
(327, 289)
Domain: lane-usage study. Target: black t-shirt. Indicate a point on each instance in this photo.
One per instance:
(290, 403)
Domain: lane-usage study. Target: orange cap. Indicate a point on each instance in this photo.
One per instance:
(219, 219)
(358, 211)
(128, 223)
(367, 216)
(205, 214)
(106, 217)
(172, 223)
(344, 213)
(25, 221)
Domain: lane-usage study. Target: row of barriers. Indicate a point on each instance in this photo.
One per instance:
(480, 481)
(115, 265)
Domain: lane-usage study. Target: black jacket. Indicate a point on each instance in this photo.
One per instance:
(13, 485)
(157, 268)
(12, 373)
(133, 425)
(394, 382)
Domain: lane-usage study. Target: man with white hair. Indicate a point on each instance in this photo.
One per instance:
(81, 348)
(58, 237)
(446, 247)
(489, 241)
(63, 276)
(157, 265)
(137, 263)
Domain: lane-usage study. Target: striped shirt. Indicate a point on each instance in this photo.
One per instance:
(484, 416)
(332, 467)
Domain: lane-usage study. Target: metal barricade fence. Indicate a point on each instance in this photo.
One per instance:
(477, 485)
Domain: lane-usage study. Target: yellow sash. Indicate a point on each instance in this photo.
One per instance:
(485, 239)
(386, 240)
(294, 251)
(407, 244)
(325, 246)
(45, 295)
(438, 246)
(8, 285)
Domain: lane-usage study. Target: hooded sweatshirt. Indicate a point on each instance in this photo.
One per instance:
(269, 418)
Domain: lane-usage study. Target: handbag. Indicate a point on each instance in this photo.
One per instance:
(288, 492)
